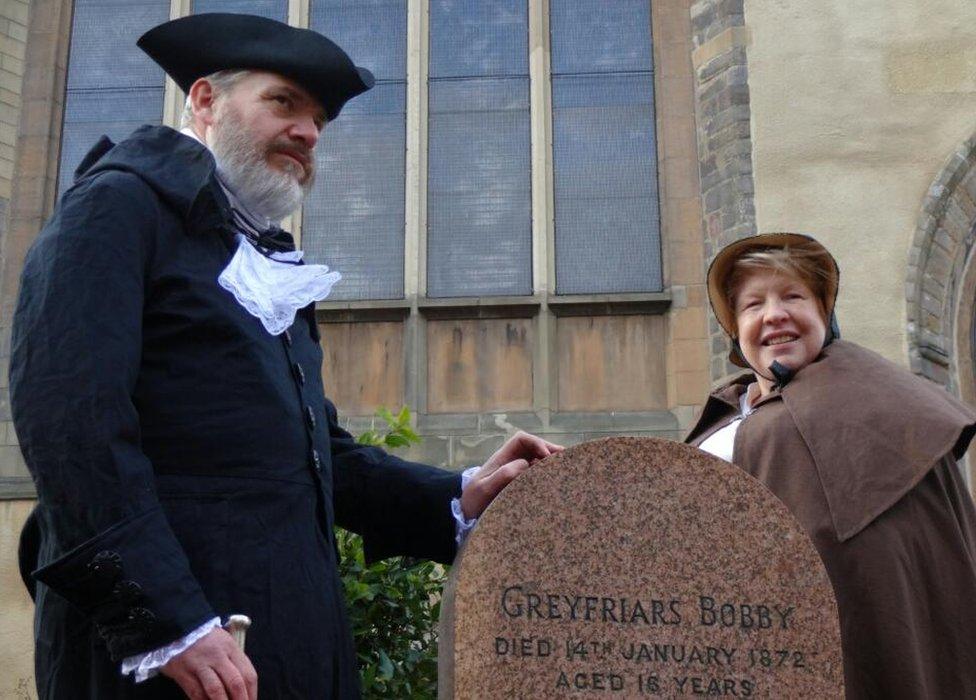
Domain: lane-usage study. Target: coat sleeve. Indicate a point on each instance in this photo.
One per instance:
(106, 545)
(399, 507)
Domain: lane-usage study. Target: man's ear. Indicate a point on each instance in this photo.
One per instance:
(203, 99)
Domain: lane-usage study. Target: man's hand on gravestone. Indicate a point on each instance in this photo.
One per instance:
(214, 668)
(519, 453)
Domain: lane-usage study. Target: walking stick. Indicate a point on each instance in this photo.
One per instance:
(237, 626)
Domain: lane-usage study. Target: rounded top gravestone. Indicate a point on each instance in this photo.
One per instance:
(633, 567)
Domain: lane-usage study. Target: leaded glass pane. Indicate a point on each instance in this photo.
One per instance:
(479, 217)
(596, 36)
(103, 44)
(479, 239)
(607, 219)
(113, 87)
(478, 38)
(372, 32)
(272, 9)
(89, 114)
(605, 180)
(353, 220)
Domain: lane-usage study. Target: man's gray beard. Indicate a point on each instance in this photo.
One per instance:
(263, 190)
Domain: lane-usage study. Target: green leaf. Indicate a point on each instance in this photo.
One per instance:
(409, 434)
(370, 437)
(403, 418)
(393, 604)
(395, 440)
(386, 666)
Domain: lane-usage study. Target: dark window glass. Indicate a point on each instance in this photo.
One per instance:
(479, 211)
(272, 9)
(354, 218)
(607, 223)
(113, 86)
(372, 32)
(600, 36)
(478, 38)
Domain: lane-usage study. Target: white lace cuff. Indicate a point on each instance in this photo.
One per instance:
(462, 526)
(147, 665)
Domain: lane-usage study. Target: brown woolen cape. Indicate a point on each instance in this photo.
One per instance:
(863, 453)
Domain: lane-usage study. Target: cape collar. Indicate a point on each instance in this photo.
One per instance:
(873, 429)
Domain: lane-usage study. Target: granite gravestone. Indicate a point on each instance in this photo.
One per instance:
(637, 567)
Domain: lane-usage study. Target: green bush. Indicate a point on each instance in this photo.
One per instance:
(393, 604)
(396, 433)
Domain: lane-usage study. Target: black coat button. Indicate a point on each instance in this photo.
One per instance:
(287, 336)
(105, 566)
(310, 417)
(141, 617)
(299, 373)
(127, 591)
(316, 460)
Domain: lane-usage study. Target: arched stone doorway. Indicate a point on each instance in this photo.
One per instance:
(941, 281)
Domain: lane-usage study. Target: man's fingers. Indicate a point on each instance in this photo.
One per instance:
(553, 447)
(190, 685)
(214, 668)
(501, 477)
(233, 681)
(513, 458)
(250, 676)
(541, 448)
(226, 680)
(524, 445)
(213, 686)
(520, 445)
(482, 491)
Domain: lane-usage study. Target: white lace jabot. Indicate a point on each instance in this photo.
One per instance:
(273, 288)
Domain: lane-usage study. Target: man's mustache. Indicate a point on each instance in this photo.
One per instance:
(300, 153)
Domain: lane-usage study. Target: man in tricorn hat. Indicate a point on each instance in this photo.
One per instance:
(166, 390)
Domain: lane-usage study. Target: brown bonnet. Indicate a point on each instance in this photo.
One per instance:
(721, 267)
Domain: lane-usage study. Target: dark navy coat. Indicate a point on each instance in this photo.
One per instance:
(187, 462)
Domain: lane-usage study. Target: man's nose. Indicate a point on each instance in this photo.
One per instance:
(306, 130)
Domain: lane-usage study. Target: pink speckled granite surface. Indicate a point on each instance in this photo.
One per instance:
(648, 539)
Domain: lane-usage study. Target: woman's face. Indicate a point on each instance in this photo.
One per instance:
(778, 318)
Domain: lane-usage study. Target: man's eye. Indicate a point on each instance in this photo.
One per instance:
(282, 100)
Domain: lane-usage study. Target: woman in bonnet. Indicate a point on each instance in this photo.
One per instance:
(863, 453)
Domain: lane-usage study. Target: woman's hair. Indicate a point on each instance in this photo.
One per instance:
(802, 263)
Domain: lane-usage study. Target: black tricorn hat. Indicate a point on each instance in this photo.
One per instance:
(193, 47)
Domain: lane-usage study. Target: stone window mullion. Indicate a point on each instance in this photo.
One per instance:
(415, 190)
(543, 262)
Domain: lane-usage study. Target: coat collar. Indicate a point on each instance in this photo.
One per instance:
(723, 404)
(180, 169)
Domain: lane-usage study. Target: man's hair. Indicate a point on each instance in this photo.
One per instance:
(805, 265)
(221, 81)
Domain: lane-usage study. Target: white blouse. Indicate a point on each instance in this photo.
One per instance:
(721, 442)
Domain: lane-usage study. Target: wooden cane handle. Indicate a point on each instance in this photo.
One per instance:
(237, 626)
